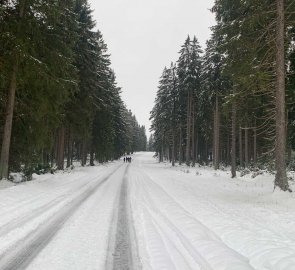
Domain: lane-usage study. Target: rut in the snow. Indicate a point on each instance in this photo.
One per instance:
(124, 251)
(21, 255)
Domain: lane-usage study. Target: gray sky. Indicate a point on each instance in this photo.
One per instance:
(144, 36)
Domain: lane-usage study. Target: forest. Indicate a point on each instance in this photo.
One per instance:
(233, 102)
(59, 99)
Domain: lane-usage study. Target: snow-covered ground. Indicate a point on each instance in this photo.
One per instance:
(71, 214)
(201, 219)
(179, 218)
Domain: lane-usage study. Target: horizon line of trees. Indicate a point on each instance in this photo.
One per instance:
(59, 98)
(234, 103)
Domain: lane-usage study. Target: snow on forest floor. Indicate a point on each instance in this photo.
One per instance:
(180, 218)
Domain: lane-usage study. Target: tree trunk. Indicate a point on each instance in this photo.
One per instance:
(70, 148)
(246, 148)
(197, 147)
(188, 131)
(173, 119)
(4, 159)
(241, 147)
(173, 149)
(84, 153)
(167, 152)
(162, 151)
(281, 180)
(228, 153)
(206, 153)
(255, 145)
(216, 153)
(233, 140)
(4, 162)
(193, 138)
(180, 146)
(213, 138)
(60, 148)
(91, 155)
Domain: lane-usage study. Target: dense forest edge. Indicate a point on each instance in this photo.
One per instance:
(59, 99)
(232, 104)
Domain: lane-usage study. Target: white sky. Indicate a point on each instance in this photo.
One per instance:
(144, 36)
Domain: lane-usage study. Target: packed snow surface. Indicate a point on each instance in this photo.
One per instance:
(176, 218)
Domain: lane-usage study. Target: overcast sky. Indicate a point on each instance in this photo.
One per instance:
(144, 36)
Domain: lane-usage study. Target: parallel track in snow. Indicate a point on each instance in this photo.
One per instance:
(19, 256)
(123, 253)
(178, 222)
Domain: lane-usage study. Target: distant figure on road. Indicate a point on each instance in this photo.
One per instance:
(124, 159)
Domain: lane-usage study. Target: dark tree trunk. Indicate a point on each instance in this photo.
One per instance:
(241, 147)
(91, 155)
(216, 154)
(173, 119)
(255, 145)
(84, 153)
(4, 159)
(4, 162)
(162, 154)
(60, 148)
(233, 140)
(246, 148)
(173, 149)
(167, 152)
(281, 180)
(180, 146)
(70, 149)
(197, 147)
(188, 130)
(206, 153)
(228, 153)
(78, 150)
(193, 138)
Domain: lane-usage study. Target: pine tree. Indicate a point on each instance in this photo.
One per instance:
(189, 71)
(281, 180)
(37, 58)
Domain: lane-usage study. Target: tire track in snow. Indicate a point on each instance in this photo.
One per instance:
(179, 225)
(24, 251)
(30, 201)
(123, 252)
(255, 249)
(178, 250)
(163, 252)
(21, 220)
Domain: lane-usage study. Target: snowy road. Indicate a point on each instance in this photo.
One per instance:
(58, 222)
(146, 216)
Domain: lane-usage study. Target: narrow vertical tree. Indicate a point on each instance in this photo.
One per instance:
(280, 147)
(233, 140)
(246, 147)
(4, 159)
